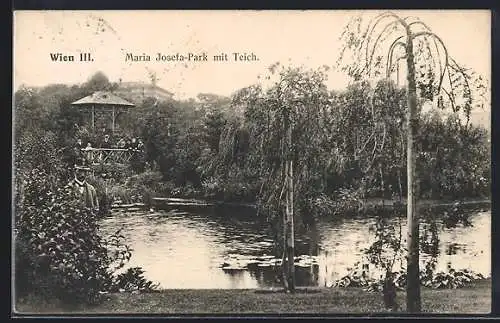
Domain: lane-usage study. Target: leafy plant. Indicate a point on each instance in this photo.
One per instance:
(133, 281)
(58, 249)
(451, 279)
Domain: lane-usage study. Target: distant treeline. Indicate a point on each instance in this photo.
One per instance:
(345, 144)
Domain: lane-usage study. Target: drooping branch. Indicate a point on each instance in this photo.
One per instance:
(365, 39)
(452, 99)
(456, 67)
(378, 19)
(374, 155)
(369, 57)
(442, 69)
(446, 63)
(450, 94)
(419, 22)
(390, 54)
(366, 143)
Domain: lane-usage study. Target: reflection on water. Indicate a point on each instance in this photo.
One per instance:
(184, 250)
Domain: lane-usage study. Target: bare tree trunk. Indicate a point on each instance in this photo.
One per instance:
(290, 244)
(284, 262)
(413, 272)
(400, 185)
(382, 184)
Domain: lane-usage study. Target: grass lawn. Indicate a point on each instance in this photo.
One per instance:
(473, 299)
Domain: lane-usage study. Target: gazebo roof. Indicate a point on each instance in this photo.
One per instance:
(103, 98)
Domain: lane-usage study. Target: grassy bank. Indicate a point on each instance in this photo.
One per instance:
(473, 299)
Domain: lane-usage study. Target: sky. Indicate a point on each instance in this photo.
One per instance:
(296, 38)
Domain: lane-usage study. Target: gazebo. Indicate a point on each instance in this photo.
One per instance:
(104, 104)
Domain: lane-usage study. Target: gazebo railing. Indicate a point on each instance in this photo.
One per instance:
(98, 156)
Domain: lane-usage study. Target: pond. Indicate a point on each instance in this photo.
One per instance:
(182, 250)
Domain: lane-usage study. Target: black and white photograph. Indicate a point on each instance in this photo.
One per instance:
(251, 162)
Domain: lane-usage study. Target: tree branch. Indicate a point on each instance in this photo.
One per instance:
(462, 70)
(374, 47)
(452, 99)
(391, 52)
(379, 18)
(431, 34)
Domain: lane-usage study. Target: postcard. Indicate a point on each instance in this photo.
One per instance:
(268, 162)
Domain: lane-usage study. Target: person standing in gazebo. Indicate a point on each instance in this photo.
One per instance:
(133, 144)
(106, 143)
(140, 145)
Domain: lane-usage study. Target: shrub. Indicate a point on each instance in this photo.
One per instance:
(213, 188)
(357, 277)
(133, 280)
(119, 193)
(451, 279)
(101, 186)
(139, 188)
(347, 202)
(58, 248)
(59, 252)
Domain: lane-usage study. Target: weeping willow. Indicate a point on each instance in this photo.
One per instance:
(431, 74)
(295, 105)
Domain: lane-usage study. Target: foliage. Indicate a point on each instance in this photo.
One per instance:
(58, 249)
(357, 276)
(37, 149)
(347, 145)
(99, 82)
(147, 185)
(373, 48)
(351, 142)
(387, 250)
(132, 280)
(301, 96)
(387, 247)
(452, 279)
(137, 188)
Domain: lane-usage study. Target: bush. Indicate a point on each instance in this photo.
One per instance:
(357, 277)
(59, 252)
(119, 193)
(139, 188)
(132, 281)
(213, 188)
(101, 187)
(347, 202)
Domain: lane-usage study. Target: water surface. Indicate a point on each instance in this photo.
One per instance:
(188, 250)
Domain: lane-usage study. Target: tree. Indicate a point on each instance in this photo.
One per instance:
(214, 123)
(284, 125)
(29, 113)
(427, 65)
(98, 82)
